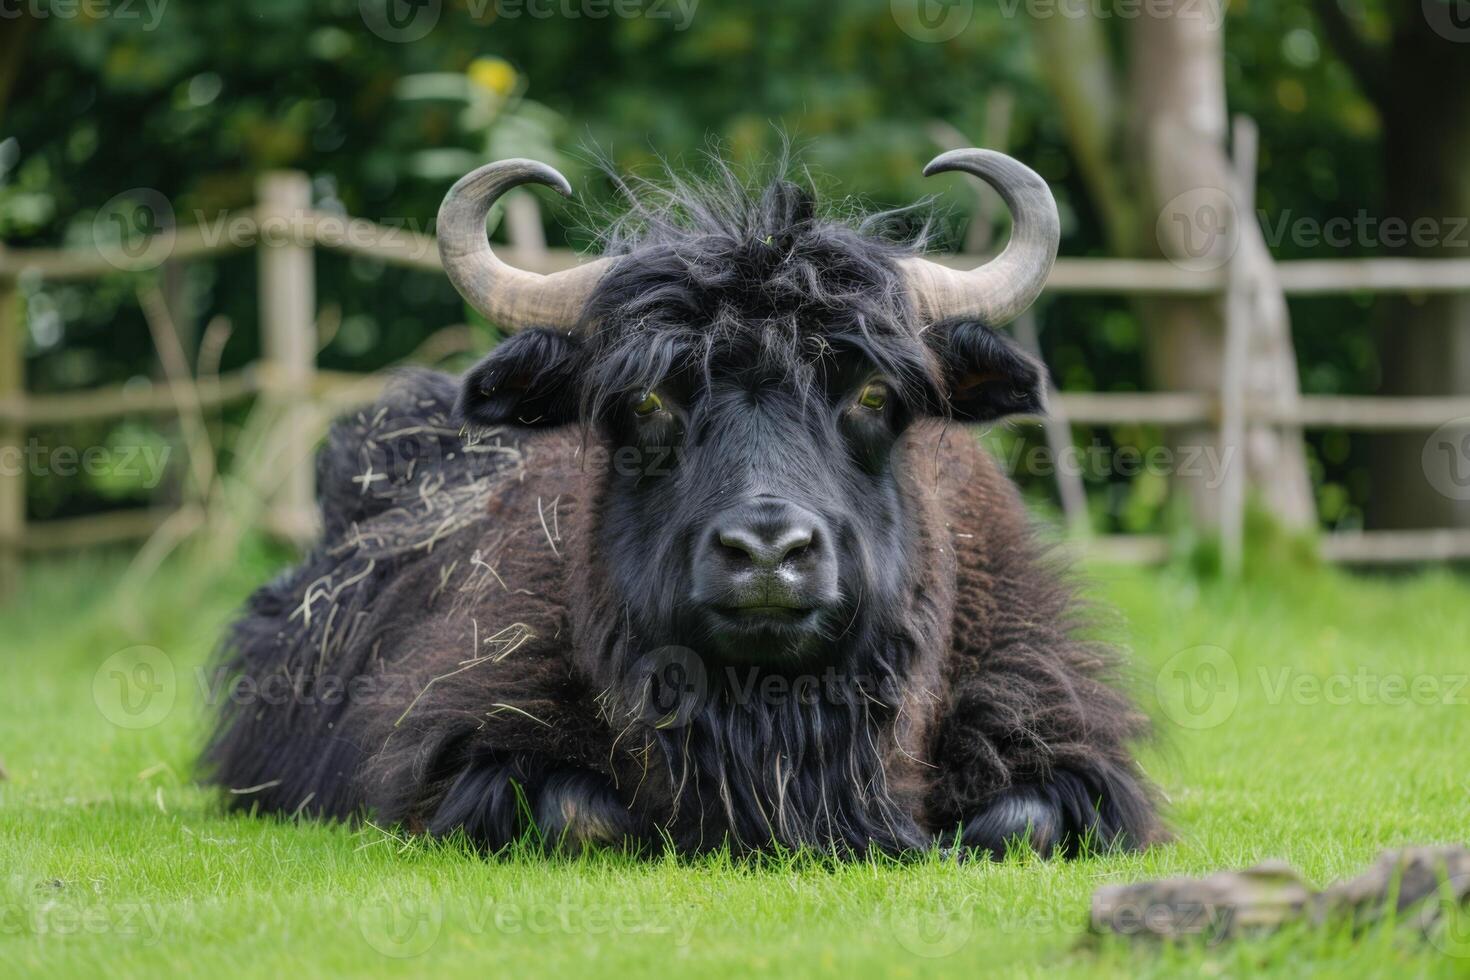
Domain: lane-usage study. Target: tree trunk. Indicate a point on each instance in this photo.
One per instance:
(1179, 133)
(1425, 341)
(1156, 174)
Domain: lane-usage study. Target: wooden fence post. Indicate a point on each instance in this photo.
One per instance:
(1238, 305)
(288, 339)
(12, 436)
(1058, 429)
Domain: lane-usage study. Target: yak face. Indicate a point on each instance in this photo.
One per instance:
(744, 386)
(761, 512)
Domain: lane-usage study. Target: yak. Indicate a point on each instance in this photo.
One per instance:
(702, 555)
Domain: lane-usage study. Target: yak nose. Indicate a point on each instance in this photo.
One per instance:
(767, 543)
(767, 555)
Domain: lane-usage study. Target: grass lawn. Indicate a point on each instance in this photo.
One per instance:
(1306, 715)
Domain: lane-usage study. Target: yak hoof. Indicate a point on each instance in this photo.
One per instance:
(1072, 813)
(1020, 815)
(570, 808)
(577, 808)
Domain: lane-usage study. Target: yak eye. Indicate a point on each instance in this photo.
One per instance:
(874, 396)
(650, 404)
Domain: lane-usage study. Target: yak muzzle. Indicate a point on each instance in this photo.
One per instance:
(766, 563)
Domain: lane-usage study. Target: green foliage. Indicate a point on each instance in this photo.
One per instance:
(199, 102)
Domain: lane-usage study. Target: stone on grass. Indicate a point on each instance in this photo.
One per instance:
(1417, 885)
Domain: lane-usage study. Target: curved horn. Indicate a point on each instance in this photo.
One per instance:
(512, 298)
(1001, 289)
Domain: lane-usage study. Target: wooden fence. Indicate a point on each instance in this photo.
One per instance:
(287, 372)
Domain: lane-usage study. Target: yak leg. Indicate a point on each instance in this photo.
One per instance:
(1062, 815)
(497, 801)
(1034, 747)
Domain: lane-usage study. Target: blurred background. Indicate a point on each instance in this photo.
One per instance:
(128, 122)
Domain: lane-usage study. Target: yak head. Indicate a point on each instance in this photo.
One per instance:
(745, 371)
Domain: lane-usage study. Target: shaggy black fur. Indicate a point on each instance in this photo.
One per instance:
(514, 622)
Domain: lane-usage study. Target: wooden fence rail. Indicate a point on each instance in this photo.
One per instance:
(287, 373)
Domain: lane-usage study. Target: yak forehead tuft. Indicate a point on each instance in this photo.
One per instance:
(726, 275)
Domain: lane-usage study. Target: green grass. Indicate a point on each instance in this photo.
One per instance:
(112, 860)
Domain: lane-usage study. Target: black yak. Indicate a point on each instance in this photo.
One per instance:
(697, 557)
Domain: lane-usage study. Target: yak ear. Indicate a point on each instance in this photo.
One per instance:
(528, 379)
(988, 376)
